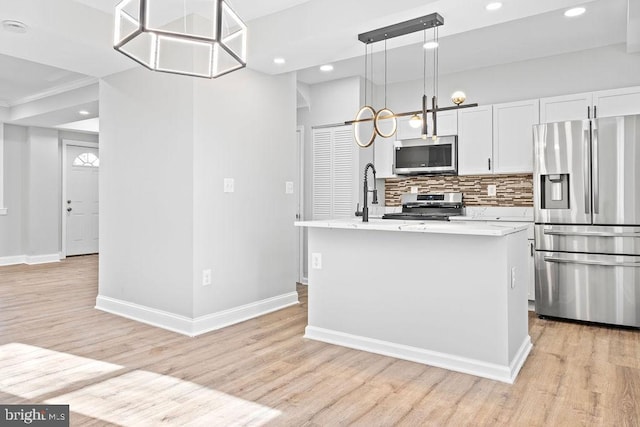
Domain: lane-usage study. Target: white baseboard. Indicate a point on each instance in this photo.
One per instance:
(41, 259)
(452, 362)
(229, 317)
(29, 259)
(12, 260)
(520, 358)
(200, 325)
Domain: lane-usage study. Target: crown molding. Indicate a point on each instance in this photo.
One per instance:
(77, 84)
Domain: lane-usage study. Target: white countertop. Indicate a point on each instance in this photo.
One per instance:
(495, 213)
(491, 218)
(472, 228)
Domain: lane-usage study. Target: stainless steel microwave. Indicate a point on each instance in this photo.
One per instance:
(426, 156)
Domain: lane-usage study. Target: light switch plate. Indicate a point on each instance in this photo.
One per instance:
(288, 187)
(316, 261)
(513, 277)
(491, 190)
(228, 185)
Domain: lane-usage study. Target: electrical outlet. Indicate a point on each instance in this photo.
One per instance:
(491, 190)
(228, 185)
(414, 190)
(316, 261)
(513, 277)
(206, 277)
(288, 187)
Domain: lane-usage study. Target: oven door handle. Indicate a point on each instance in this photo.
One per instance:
(591, 233)
(586, 262)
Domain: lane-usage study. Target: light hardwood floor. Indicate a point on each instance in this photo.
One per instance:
(56, 348)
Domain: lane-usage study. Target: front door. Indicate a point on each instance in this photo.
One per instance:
(81, 204)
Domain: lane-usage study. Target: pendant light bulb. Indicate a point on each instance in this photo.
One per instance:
(415, 121)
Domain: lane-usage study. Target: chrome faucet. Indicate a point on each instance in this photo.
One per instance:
(365, 208)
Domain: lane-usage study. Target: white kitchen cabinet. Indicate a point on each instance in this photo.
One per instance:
(617, 102)
(447, 122)
(405, 131)
(475, 140)
(513, 136)
(565, 107)
(383, 151)
(579, 106)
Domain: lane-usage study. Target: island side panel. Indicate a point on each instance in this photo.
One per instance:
(518, 318)
(440, 292)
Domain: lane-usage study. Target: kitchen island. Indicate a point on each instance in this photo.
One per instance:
(445, 294)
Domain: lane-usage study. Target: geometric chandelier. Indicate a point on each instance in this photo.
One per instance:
(201, 38)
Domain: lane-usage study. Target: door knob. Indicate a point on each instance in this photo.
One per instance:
(69, 209)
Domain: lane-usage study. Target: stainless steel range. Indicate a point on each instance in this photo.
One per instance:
(587, 214)
(429, 206)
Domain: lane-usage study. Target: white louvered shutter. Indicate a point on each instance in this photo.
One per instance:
(343, 173)
(334, 170)
(322, 173)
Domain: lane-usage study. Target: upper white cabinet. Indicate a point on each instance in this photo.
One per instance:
(579, 106)
(617, 102)
(475, 140)
(447, 122)
(566, 107)
(513, 136)
(384, 157)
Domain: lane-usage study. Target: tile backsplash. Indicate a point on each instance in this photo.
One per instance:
(511, 190)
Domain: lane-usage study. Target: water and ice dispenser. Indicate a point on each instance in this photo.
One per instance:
(554, 191)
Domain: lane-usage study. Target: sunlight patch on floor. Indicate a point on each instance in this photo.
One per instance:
(118, 396)
(28, 371)
(147, 398)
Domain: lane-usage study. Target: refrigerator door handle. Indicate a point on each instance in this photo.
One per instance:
(596, 171)
(587, 180)
(585, 262)
(591, 233)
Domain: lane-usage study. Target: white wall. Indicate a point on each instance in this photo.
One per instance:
(146, 190)
(15, 144)
(167, 143)
(595, 69)
(41, 204)
(247, 237)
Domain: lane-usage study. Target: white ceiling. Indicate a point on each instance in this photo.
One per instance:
(69, 42)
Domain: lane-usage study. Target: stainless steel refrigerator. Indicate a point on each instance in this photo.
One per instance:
(587, 215)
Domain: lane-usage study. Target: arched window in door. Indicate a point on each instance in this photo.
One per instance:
(87, 159)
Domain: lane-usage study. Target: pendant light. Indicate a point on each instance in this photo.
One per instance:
(202, 39)
(419, 118)
(434, 99)
(425, 129)
(366, 113)
(385, 113)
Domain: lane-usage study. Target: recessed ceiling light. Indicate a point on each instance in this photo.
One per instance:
(326, 68)
(83, 112)
(14, 26)
(576, 11)
(493, 6)
(430, 45)
(279, 61)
